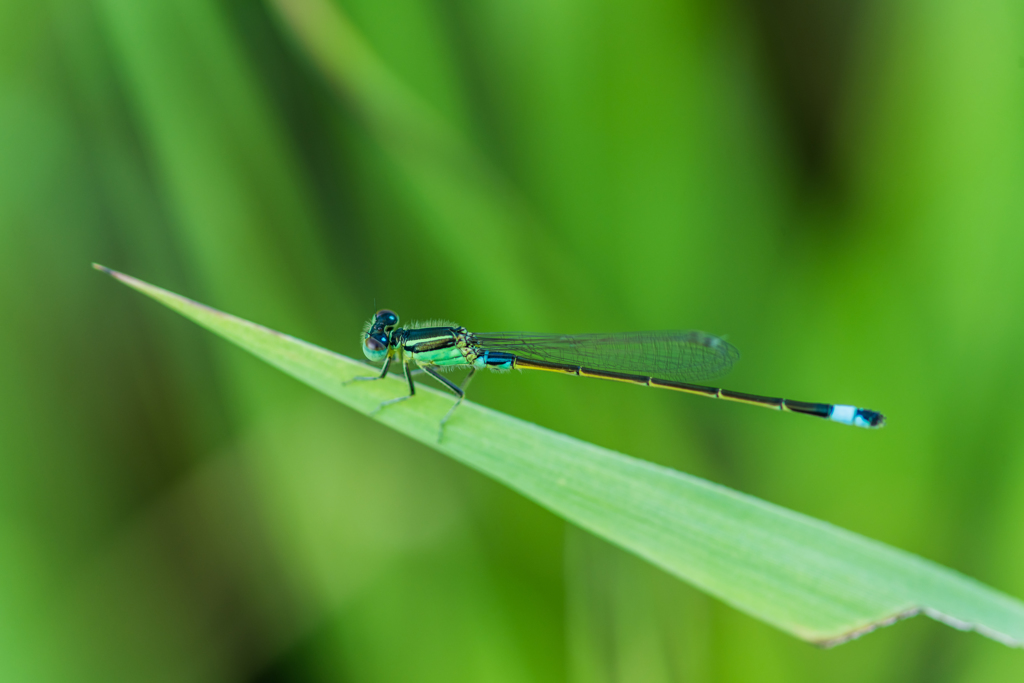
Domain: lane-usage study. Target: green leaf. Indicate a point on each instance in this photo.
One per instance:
(806, 577)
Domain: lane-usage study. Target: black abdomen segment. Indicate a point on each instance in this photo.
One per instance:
(859, 417)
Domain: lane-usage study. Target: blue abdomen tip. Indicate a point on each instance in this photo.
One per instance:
(858, 417)
(869, 418)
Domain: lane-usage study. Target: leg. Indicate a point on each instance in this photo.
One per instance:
(382, 375)
(412, 388)
(460, 392)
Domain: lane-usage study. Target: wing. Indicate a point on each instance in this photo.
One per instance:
(679, 355)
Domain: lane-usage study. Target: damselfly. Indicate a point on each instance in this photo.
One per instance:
(668, 359)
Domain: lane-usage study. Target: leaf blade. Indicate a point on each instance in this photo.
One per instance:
(811, 579)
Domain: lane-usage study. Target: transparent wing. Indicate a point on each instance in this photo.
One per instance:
(679, 355)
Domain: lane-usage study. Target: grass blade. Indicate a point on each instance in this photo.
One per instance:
(808, 578)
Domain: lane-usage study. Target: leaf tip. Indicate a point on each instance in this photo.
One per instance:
(962, 625)
(117, 275)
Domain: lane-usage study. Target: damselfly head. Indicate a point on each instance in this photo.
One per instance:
(385, 318)
(375, 348)
(378, 335)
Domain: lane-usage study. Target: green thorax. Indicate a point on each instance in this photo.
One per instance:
(440, 346)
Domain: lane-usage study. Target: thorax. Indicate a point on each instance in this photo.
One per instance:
(437, 345)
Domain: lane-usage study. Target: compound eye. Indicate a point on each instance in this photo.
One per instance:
(388, 317)
(374, 345)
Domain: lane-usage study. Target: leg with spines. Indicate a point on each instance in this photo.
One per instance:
(459, 391)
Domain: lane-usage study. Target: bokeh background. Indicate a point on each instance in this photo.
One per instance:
(836, 186)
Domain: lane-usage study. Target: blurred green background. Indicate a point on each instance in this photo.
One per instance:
(838, 187)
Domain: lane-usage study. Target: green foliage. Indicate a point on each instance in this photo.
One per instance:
(837, 193)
